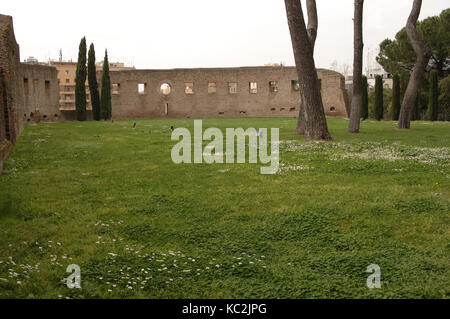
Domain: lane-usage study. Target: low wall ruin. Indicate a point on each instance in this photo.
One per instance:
(219, 92)
(11, 90)
(41, 93)
(28, 92)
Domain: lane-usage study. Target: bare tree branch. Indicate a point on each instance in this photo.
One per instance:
(312, 21)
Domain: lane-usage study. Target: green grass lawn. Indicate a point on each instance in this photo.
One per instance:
(108, 198)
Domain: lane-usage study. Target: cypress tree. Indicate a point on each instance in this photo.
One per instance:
(105, 109)
(80, 82)
(396, 98)
(379, 98)
(365, 99)
(433, 96)
(93, 85)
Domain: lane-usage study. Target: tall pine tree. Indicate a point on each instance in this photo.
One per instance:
(80, 82)
(106, 107)
(93, 85)
(396, 102)
(365, 99)
(433, 97)
(378, 98)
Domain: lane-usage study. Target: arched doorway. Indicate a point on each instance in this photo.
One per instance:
(166, 89)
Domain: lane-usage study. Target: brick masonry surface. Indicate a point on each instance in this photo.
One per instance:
(219, 92)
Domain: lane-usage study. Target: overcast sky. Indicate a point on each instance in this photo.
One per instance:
(158, 34)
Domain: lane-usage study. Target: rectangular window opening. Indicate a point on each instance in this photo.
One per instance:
(141, 88)
(47, 87)
(295, 86)
(189, 88)
(116, 88)
(25, 85)
(212, 88)
(253, 87)
(232, 87)
(273, 86)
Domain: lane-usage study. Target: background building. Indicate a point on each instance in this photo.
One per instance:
(374, 68)
(388, 81)
(66, 79)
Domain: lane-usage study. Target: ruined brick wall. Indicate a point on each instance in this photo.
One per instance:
(27, 92)
(11, 123)
(41, 93)
(127, 102)
(334, 94)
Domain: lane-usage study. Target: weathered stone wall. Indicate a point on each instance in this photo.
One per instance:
(334, 94)
(28, 92)
(129, 103)
(11, 123)
(41, 93)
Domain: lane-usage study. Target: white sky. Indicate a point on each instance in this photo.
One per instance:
(198, 33)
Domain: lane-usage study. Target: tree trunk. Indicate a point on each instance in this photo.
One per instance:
(301, 118)
(423, 54)
(315, 121)
(355, 112)
(312, 34)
